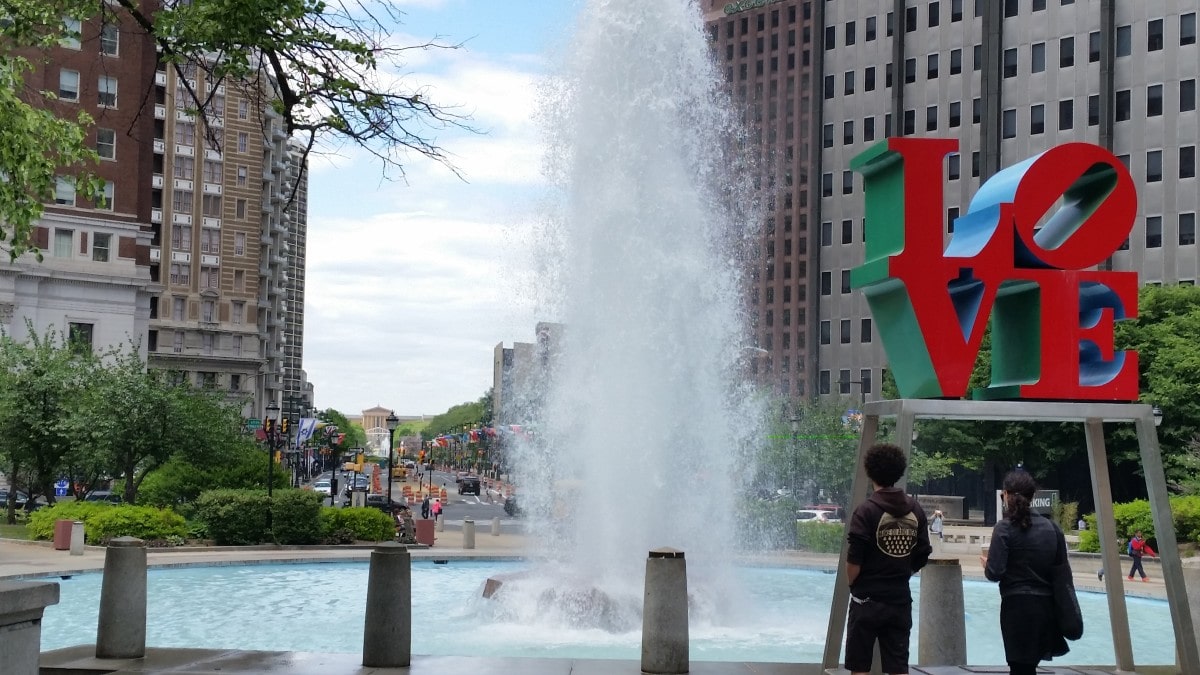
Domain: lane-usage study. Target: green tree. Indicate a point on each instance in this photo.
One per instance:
(42, 381)
(328, 64)
(136, 419)
(355, 436)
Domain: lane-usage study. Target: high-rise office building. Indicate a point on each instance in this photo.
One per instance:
(1007, 78)
(767, 53)
(198, 251)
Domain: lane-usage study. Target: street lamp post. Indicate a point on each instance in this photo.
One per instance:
(392, 421)
(272, 421)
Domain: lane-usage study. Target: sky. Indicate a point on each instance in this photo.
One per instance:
(411, 283)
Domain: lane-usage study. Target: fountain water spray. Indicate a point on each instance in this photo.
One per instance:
(640, 420)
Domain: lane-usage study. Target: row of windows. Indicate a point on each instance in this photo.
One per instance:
(207, 341)
(68, 88)
(1185, 232)
(110, 36)
(208, 310)
(185, 134)
(210, 276)
(844, 382)
(64, 244)
(864, 331)
(210, 240)
(743, 24)
(65, 194)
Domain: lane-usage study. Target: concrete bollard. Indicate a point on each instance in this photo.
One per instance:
(121, 633)
(21, 606)
(77, 538)
(496, 527)
(387, 640)
(665, 614)
(468, 533)
(942, 635)
(439, 524)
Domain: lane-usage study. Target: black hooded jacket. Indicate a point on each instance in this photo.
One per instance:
(889, 541)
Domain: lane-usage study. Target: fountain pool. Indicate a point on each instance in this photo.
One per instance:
(319, 608)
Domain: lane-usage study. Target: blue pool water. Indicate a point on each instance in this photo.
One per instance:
(319, 608)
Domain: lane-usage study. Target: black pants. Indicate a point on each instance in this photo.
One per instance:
(889, 624)
(1137, 567)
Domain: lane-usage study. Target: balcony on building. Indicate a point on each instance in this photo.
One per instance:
(185, 150)
(160, 146)
(181, 219)
(156, 181)
(160, 78)
(155, 254)
(213, 189)
(156, 215)
(160, 111)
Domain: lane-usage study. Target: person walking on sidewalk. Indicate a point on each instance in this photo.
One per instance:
(436, 508)
(888, 543)
(1138, 548)
(425, 507)
(935, 524)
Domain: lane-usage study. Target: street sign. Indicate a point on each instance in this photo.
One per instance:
(60, 487)
(253, 424)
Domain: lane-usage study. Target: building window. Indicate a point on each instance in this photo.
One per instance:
(956, 11)
(1187, 229)
(827, 233)
(864, 331)
(955, 61)
(845, 281)
(239, 243)
(1124, 40)
(243, 109)
(869, 78)
(827, 185)
(235, 379)
(933, 14)
(206, 344)
(239, 208)
(931, 67)
(1154, 166)
(844, 381)
(237, 347)
(1066, 52)
(847, 133)
(1010, 62)
(1009, 123)
(1066, 114)
(181, 237)
(68, 85)
(177, 307)
(1093, 110)
(63, 243)
(64, 190)
(1124, 105)
(847, 231)
(1011, 8)
(239, 280)
(1093, 47)
(1037, 57)
(206, 380)
(931, 118)
(845, 331)
(1154, 100)
(110, 37)
(850, 37)
(210, 241)
(955, 114)
(868, 129)
(1037, 119)
(848, 82)
(910, 71)
(106, 89)
(177, 344)
(238, 312)
(210, 277)
(910, 122)
(1187, 161)
(243, 141)
(870, 30)
(71, 33)
(212, 171)
(975, 164)
(977, 57)
(106, 143)
(847, 182)
(1154, 35)
(910, 19)
(181, 201)
(823, 385)
(185, 133)
(1187, 29)
(827, 136)
(242, 172)
(825, 327)
(1187, 95)
(184, 167)
(101, 243)
(104, 200)
(826, 283)
(976, 110)
(208, 310)
(211, 205)
(953, 160)
(1153, 232)
(181, 274)
(80, 335)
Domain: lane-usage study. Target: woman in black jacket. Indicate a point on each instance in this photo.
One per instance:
(1021, 557)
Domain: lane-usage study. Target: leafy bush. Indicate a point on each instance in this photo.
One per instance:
(344, 526)
(238, 517)
(819, 537)
(1134, 516)
(103, 521)
(767, 524)
(234, 517)
(296, 515)
(41, 522)
(1066, 514)
(144, 522)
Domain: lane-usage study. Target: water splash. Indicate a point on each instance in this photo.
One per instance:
(642, 421)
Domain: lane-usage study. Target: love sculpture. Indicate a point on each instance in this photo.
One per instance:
(1022, 256)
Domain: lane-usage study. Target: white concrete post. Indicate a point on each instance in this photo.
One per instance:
(387, 638)
(121, 633)
(942, 635)
(77, 538)
(496, 527)
(468, 534)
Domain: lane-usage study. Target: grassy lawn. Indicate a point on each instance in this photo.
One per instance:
(13, 531)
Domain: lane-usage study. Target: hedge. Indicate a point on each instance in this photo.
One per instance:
(239, 517)
(819, 537)
(344, 526)
(1135, 516)
(102, 522)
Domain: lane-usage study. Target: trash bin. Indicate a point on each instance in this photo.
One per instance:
(62, 535)
(424, 531)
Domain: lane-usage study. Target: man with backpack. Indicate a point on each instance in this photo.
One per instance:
(1137, 548)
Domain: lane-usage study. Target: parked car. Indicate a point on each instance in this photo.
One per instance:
(381, 502)
(22, 498)
(458, 478)
(323, 487)
(103, 496)
(813, 515)
(469, 485)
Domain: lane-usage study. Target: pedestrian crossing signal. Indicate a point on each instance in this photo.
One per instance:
(283, 425)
